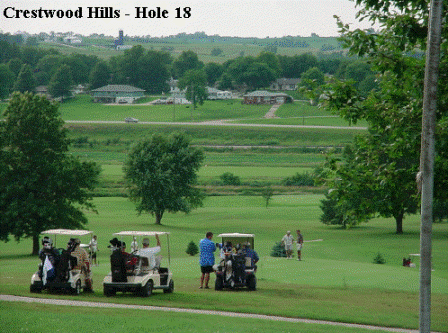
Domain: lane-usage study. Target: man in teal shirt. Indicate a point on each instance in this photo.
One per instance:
(206, 258)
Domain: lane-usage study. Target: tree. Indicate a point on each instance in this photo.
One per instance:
(188, 60)
(192, 249)
(161, 173)
(48, 64)
(6, 81)
(15, 65)
(214, 72)
(25, 80)
(380, 174)
(195, 81)
(43, 187)
(216, 52)
(258, 75)
(100, 75)
(147, 70)
(267, 194)
(61, 82)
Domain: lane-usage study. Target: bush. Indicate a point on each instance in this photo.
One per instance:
(379, 259)
(192, 249)
(229, 178)
(299, 180)
(278, 250)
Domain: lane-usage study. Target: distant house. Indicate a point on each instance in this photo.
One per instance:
(285, 84)
(214, 93)
(266, 97)
(117, 93)
(72, 40)
(42, 90)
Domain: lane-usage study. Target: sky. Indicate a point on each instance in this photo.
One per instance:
(241, 18)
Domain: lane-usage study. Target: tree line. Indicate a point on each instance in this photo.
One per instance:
(23, 67)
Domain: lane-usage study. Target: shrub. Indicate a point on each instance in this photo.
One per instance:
(192, 249)
(379, 259)
(278, 250)
(229, 178)
(299, 180)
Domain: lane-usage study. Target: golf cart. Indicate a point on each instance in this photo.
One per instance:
(237, 267)
(139, 271)
(59, 269)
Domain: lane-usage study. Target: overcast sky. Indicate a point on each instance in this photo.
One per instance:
(242, 18)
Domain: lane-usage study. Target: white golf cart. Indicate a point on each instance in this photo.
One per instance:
(140, 271)
(61, 275)
(237, 267)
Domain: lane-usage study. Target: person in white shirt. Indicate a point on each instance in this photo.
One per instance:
(150, 252)
(287, 241)
(93, 248)
(134, 245)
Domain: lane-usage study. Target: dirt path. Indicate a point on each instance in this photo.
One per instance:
(11, 298)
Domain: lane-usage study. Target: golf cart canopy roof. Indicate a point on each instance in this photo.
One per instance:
(141, 233)
(237, 238)
(67, 232)
(236, 235)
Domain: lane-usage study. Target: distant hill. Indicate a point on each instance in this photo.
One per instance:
(203, 44)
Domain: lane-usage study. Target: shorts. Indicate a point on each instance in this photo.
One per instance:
(206, 269)
(288, 247)
(299, 246)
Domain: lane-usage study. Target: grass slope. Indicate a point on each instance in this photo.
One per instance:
(336, 281)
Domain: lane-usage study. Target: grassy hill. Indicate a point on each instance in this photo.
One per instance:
(203, 45)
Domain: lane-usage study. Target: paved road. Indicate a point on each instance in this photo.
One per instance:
(211, 123)
(59, 302)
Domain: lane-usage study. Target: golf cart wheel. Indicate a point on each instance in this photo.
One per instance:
(35, 289)
(251, 282)
(77, 289)
(170, 288)
(88, 287)
(219, 284)
(108, 291)
(146, 291)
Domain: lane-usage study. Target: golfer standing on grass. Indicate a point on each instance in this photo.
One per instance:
(299, 245)
(287, 241)
(207, 258)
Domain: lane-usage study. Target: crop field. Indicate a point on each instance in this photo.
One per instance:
(101, 47)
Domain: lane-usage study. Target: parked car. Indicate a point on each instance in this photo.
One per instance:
(237, 267)
(130, 120)
(62, 275)
(139, 271)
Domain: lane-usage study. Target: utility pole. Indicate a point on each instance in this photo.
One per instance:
(426, 174)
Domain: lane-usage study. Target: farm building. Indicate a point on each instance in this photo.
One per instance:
(285, 84)
(266, 97)
(116, 93)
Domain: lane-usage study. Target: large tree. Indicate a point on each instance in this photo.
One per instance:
(188, 60)
(6, 81)
(61, 82)
(195, 82)
(43, 187)
(25, 80)
(386, 160)
(161, 174)
(100, 75)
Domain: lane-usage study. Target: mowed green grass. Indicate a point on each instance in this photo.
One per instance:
(337, 280)
(39, 317)
(82, 108)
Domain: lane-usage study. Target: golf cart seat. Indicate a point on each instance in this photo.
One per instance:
(248, 262)
(145, 264)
